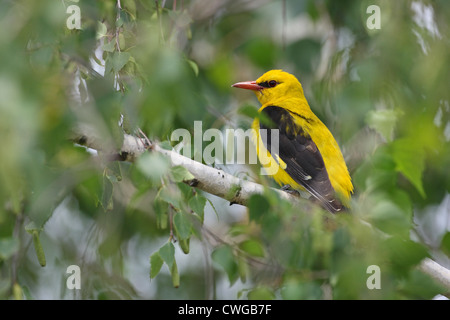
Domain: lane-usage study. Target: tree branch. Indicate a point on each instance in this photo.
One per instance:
(208, 179)
(220, 183)
(436, 271)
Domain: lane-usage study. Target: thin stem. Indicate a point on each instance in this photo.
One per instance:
(15, 257)
(283, 28)
(118, 83)
(171, 210)
(160, 20)
(119, 8)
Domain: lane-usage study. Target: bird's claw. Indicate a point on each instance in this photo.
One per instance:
(287, 188)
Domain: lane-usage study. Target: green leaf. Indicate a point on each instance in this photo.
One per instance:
(101, 30)
(161, 211)
(181, 174)
(223, 256)
(197, 204)
(153, 165)
(8, 246)
(117, 61)
(261, 293)
(258, 206)
(156, 263)
(249, 111)
(233, 192)
(420, 286)
(114, 171)
(383, 121)
(404, 253)
(302, 52)
(167, 253)
(109, 46)
(391, 212)
(88, 193)
(130, 7)
(194, 66)
(252, 247)
(119, 22)
(165, 145)
(170, 195)
(294, 289)
(252, 112)
(214, 208)
(349, 280)
(181, 18)
(312, 10)
(243, 268)
(107, 194)
(186, 191)
(261, 51)
(182, 224)
(445, 244)
(410, 161)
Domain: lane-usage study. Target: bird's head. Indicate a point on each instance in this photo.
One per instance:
(273, 85)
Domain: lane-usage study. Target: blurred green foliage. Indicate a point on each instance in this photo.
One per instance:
(136, 230)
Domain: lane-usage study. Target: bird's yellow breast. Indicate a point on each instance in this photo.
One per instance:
(321, 136)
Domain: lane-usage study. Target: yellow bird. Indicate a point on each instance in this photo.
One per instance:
(308, 155)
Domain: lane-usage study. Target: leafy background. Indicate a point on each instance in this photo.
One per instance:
(165, 64)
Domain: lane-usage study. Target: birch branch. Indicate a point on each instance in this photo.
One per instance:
(436, 271)
(208, 179)
(219, 183)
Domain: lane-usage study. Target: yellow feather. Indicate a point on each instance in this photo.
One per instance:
(290, 97)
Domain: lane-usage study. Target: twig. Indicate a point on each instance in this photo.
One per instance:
(436, 271)
(158, 15)
(119, 8)
(283, 27)
(15, 259)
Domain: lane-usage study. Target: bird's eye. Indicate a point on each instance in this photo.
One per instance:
(272, 83)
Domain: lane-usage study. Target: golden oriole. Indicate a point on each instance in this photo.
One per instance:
(309, 156)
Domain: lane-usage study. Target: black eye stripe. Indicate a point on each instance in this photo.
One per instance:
(268, 84)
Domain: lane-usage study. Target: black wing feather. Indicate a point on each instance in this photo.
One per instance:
(304, 163)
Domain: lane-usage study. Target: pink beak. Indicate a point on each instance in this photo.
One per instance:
(250, 85)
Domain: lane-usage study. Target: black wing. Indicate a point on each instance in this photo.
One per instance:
(304, 163)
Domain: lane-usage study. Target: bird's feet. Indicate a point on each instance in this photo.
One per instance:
(287, 188)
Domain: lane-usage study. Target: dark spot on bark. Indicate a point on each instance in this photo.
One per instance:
(82, 140)
(193, 182)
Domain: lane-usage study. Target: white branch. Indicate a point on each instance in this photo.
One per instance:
(436, 271)
(224, 185)
(208, 179)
